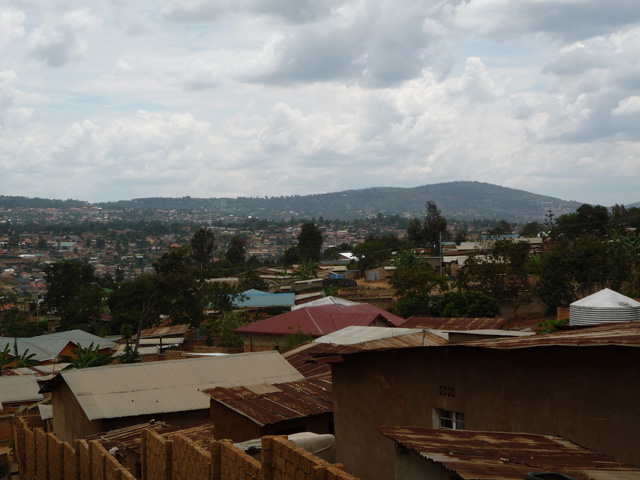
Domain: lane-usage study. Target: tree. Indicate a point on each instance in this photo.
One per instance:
(414, 232)
(434, 227)
(465, 304)
(310, 242)
(223, 328)
(237, 252)
(202, 246)
(501, 271)
(569, 270)
(531, 229)
(73, 291)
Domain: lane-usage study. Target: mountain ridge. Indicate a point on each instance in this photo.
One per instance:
(464, 200)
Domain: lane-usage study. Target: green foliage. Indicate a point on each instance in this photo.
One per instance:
(86, 357)
(5, 358)
(130, 355)
(252, 280)
(414, 277)
(135, 300)
(237, 251)
(295, 339)
(73, 291)
(501, 271)
(222, 327)
(589, 220)
(202, 246)
(376, 250)
(465, 304)
(412, 305)
(569, 270)
(434, 226)
(552, 325)
(310, 242)
(531, 229)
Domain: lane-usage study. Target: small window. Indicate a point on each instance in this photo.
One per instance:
(15, 405)
(451, 420)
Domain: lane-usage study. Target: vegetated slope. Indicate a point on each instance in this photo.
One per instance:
(461, 200)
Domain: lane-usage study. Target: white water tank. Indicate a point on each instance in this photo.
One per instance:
(605, 306)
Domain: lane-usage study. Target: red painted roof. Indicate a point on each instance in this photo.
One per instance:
(321, 320)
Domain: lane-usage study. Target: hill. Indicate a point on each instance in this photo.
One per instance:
(460, 200)
(456, 200)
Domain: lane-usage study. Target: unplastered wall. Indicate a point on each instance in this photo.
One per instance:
(41, 456)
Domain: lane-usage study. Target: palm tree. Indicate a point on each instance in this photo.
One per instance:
(87, 357)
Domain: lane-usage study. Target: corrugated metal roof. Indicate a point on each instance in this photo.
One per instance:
(280, 402)
(19, 388)
(46, 347)
(356, 334)
(622, 334)
(438, 323)
(325, 301)
(167, 330)
(131, 437)
(320, 320)
(505, 456)
(170, 386)
(305, 358)
(257, 299)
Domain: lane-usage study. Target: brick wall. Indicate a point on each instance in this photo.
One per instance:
(41, 456)
(189, 460)
(156, 450)
(6, 429)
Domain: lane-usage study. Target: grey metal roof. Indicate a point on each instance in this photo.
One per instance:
(170, 386)
(19, 388)
(47, 347)
(356, 334)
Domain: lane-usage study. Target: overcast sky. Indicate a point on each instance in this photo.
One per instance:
(126, 99)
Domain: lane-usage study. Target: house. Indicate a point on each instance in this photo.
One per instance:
(306, 358)
(448, 324)
(46, 349)
(17, 391)
(316, 321)
(254, 299)
(579, 385)
(433, 454)
(99, 399)
(253, 411)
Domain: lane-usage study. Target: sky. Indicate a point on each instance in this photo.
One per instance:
(121, 99)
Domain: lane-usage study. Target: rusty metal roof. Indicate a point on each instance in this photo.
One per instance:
(269, 404)
(505, 456)
(438, 323)
(622, 334)
(304, 359)
(130, 437)
(164, 331)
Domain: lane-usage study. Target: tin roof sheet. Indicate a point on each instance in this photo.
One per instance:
(437, 323)
(163, 331)
(170, 386)
(305, 358)
(46, 347)
(622, 334)
(505, 456)
(19, 388)
(131, 437)
(276, 403)
(257, 299)
(320, 320)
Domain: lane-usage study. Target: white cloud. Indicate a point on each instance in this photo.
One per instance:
(627, 106)
(58, 41)
(11, 25)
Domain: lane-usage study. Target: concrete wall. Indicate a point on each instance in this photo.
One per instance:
(42, 456)
(585, 394)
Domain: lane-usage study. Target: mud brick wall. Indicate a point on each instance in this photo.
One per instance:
(156, 456)
(291, 462)
(189, 460)
(114, 469)
(55, 458)
(30, 455)
(236, 464)
(70, 462)
(6, 429)
(42, 457)
(83, 459)
(97, 453)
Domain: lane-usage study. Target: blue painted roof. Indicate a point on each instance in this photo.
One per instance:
(256, 299)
